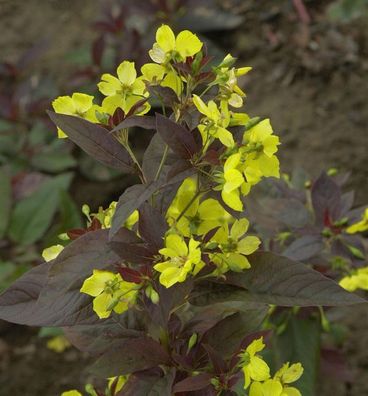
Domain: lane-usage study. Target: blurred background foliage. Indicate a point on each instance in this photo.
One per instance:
(310, 62)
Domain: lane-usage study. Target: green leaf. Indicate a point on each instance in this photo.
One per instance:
(300, 342)
(33, 215)
(5, 201)
(53, 161)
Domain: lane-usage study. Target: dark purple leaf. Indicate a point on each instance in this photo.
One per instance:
(226, 336)
(190, 384)
(152, 226)
(129, 356)
(165, 95)
(326, 198)
(144, 122)
(132, 199)
(149, 383)
(179, 139)
(95, 141)
(98, 48)
(19, 301)
(278, 280)
(304, 248)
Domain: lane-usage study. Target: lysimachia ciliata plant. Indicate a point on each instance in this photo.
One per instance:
(168, 288)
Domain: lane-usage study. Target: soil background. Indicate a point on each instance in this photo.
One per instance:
(311, 80)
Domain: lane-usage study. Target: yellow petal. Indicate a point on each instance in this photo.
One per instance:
(173, 81)
(259, 370)
(256, 389)
(233, 180)
(239, 228)
(64, 105)
(126, 73)
(225, 136)
(109, 85)
(176, 243)
(71, 393)
(52, 252)
(272, 388)
(232, 199)
(201, 106)
(248, 245)
(188, 44)
(232, 162)
(82, 102)
(101, 304)
(95, 284)
(165, 38)
(157, 54)
(151, 71)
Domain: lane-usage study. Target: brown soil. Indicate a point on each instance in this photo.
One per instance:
(311, 82)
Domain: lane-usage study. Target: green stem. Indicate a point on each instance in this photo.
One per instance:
(162, 162)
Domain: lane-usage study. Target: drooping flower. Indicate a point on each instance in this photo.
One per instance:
(79, 104)
(71, 393)
(260, 145)
(110, 292)
(181, 260)
(279, 385)
(253, 366)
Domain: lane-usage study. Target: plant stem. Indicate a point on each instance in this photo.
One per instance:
(162, 162)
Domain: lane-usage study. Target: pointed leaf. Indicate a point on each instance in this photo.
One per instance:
(149, 383)
(132, 198)
(95, 141)
(304, 248)
(18, 302)
(197, 382)
(152, 226)
(129, 356)
(144, 122)
(33, 215)
(179, 139)
(278, 280)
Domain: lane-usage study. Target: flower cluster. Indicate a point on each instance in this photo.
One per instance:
(257, 374)
(199, 234)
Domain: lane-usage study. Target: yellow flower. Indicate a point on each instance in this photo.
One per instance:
(78, 104)
(260, 146)
(168, 47)
(123, 91)
(215, 122)
(226, 79)
(58, 344)
(253, 366)
(358, 280)
(360, 226)
(234, 247)
(270, 387)
(278, 386)
(111, 293)
(71, 393)
(181, 260)
(233, 179)
(52, 252)
(288, 374)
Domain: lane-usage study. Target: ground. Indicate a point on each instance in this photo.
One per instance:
(311, 82)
